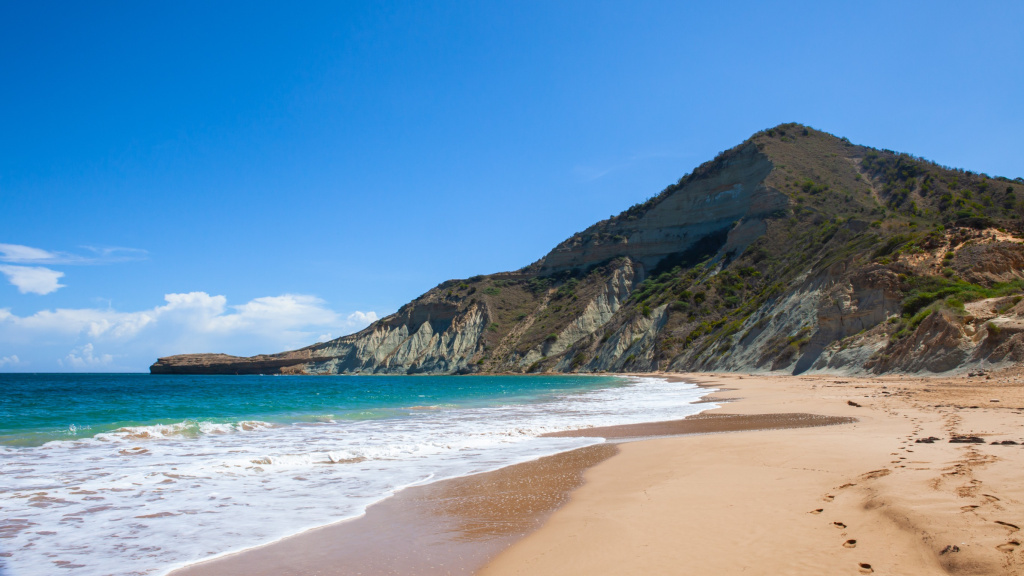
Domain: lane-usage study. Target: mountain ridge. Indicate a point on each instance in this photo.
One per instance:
(793, 251)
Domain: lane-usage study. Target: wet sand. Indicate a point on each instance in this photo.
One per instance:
(707, 424)
(449, 527)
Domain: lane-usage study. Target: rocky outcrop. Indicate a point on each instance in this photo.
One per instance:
(225, 364)
(982, 338)
(988, 263)
(795, 251)
(432, 339)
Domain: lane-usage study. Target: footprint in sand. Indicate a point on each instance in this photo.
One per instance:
(817, 511)
(850, 544)
(828, 498)
(1009, 546)
(865, 568)
(875, 474)
(1012, 527)
(839, 525)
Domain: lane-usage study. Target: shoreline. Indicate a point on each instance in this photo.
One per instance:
(437, 508)
(443, 527)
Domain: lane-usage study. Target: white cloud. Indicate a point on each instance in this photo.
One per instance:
(185, 323)
(12, 359)
(354, 322)
(34, 279)
(361, 320)
(82, 357)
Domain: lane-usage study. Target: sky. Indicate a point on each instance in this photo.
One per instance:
(252, 177)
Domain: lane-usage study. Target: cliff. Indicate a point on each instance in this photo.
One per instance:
(795, 251)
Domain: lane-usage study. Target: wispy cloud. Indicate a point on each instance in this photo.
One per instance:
(20, 254)
(25, 254)
(12, 359)
(112, 254)
(33, 279)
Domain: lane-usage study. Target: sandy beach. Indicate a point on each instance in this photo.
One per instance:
(888, 494)
(795, 475)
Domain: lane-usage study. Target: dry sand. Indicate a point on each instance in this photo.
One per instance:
(848, 499)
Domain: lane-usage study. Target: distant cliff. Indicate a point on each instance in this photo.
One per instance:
(795, 251)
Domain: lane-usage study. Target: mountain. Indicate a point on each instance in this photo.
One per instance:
(794, 251)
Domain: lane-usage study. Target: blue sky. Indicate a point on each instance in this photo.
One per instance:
(250, 177)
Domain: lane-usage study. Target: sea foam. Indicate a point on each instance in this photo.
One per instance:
(147, 499)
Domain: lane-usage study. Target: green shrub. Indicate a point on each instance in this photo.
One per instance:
(537, 285)
(810, 187)
(993, 329)
(567, 290)
(927, 289)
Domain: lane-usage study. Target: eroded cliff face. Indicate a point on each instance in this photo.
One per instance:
(794, 252)
(598, 312)
(430, 338)
(438, 338)
(725, 207)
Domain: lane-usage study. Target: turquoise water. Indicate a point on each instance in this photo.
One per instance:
(135, 474)
(37, 408)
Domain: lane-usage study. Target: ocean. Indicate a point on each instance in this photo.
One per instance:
(117, 474)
